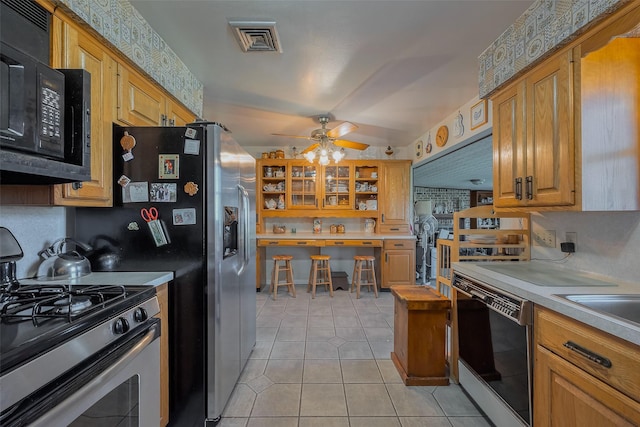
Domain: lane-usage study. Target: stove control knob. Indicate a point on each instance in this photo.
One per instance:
(140, 315)
(120, 326)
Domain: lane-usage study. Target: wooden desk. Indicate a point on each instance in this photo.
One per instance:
(323, 240)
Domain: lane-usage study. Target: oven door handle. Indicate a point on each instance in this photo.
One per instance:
(482, 297)
(103, 378)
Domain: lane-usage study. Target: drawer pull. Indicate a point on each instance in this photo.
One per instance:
(338, 243)
(588, 354)
(301, 243)
(273, 243)
(367, 243)
(398, 245)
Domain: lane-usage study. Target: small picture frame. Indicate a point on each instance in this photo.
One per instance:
(479, 114)
(135, 192)
(185, 216)
(163, 192)
(168, 166)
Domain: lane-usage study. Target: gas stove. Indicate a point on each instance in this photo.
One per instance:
(36, 318)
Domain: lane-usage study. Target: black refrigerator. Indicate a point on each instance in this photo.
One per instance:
(184, 201)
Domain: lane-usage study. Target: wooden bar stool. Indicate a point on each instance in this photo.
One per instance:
(320, 274)
(364, 263)
(282, 264)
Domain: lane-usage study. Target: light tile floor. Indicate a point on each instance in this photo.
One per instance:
(326, 362)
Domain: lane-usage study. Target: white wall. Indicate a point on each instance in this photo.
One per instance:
(35, 228)
(430, 134)
(608, 242)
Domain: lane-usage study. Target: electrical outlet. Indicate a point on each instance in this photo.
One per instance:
(545, 238)
(571, 236)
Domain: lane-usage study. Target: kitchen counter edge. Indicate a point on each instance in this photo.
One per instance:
(333, 236)
(144, 278)
(545, 297)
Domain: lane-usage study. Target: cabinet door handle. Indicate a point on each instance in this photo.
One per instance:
(588, 354)
(530, 187)
(382, 217)
(386, 257)
(518, 183)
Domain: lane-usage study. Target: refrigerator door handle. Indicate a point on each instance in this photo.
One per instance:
(244, 214)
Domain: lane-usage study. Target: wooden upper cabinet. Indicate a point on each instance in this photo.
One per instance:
(566, 134)
(140, 103)
(550, 158)
(177, 115)
(610, 101)
(72, 47)
(534, 144)
(394, 213)
(508, 143)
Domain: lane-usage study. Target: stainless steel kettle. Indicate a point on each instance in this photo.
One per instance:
(57, 264)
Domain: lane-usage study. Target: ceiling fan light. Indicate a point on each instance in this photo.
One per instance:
(323, 160)
(310, 156)
(337, 156)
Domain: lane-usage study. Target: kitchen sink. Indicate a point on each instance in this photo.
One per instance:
(624, 306)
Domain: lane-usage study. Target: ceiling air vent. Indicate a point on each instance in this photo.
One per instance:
(256, 36)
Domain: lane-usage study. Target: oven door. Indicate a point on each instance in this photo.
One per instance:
(496, 351)
(120, 386)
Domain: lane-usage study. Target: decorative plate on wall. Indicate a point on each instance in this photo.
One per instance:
(442, 136)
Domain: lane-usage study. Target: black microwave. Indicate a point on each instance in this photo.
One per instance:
(45, 123)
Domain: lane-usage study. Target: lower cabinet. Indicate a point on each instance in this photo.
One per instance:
(162, 292)
(582, 376)
(398, 263)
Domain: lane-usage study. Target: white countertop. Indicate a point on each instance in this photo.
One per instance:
(540, 282)
(335, 236)
(112, 278)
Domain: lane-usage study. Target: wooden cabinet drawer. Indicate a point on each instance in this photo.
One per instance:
(372, 243)
(289, 242)
(569, 338)
(400, 244)
(386, 228)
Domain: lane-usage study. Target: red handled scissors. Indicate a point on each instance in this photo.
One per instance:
(150, 214)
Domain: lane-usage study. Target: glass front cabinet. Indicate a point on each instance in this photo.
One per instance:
(304, 189)
(336, 191)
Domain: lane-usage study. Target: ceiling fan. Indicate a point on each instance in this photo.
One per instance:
(323, 137)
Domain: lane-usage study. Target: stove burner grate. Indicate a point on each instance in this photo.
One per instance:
(41, 302)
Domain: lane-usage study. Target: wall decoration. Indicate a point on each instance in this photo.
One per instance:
(442, 136)
(418, 149)
(546, 26)
(458, 127)
(479, 114)
(168, 166)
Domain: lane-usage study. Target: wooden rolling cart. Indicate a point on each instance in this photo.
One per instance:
(479, 234)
